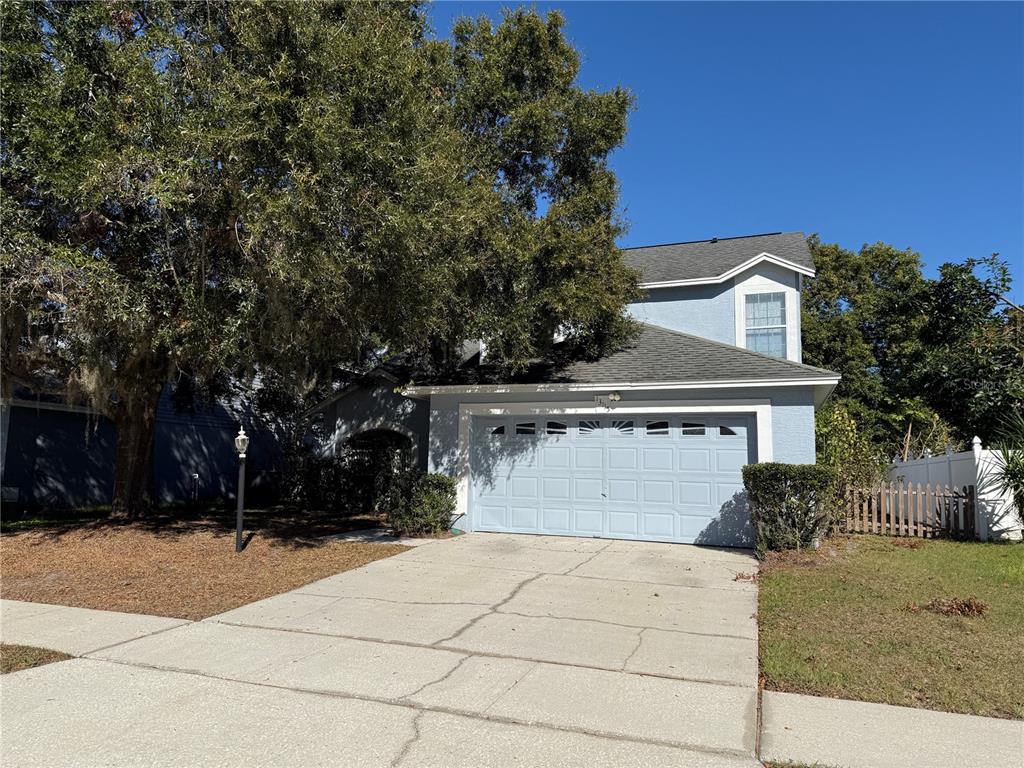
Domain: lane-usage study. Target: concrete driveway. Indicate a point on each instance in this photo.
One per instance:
(484, 650)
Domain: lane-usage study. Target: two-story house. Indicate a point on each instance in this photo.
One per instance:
(646, 443)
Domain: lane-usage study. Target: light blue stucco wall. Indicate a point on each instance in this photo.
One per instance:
(792, 417)
(703, 310)
(377, 407)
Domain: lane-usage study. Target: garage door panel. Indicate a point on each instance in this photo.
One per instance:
(556, 519)
(622, 458)
(623, 522)
(526, 455)
(665, 478)
(661, 526)
(589, 521)
(493, 517)
(493, 487)
(556, 457)
(524, 487)
(695, 460)
(730, 494)
(730, 460)
(691, 527)
(694, 494)
(588, 458)
(525, 518)
(655, 459)
(555, 488)
(657, 492)
(623, 490)
(588, 489)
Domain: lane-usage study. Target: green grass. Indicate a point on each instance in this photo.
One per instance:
(17, 657)
(836, 623)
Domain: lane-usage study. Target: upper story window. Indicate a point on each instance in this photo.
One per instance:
(766, 323)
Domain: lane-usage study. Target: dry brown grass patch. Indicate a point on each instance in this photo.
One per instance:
(951, 606)
(176, 572)
(957, 606)
(14, 658)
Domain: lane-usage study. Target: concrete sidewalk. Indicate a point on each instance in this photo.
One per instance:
(75, 631)
(857, 734)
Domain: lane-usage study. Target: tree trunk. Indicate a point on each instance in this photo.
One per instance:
(135, 421)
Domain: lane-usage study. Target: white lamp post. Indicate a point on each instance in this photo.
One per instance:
(241, 443)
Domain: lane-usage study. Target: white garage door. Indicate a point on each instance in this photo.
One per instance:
(662, 478)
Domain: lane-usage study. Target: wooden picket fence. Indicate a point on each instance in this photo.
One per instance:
(909, 510)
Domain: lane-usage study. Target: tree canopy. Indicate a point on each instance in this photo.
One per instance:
(925, 361)
(195, 189)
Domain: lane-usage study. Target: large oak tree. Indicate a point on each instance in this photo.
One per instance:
(195, 189)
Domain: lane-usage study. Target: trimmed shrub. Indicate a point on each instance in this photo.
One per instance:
(354, 481)
(793, 505)
(421, 504)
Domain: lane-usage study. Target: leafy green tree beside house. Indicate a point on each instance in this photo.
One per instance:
(925, 362)
(199, 190)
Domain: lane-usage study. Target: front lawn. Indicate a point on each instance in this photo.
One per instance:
(855, 620)
(182, 569)
(17, 657)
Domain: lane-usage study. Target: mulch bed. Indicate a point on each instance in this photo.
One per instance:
(183, 570)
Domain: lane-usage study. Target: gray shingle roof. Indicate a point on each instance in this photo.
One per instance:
(657, 355)
(661, 355)
(711, 258)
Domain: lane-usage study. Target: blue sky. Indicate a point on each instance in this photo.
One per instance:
(900, 122)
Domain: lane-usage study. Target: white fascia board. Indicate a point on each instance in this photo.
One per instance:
(498, 389)
(733, 272)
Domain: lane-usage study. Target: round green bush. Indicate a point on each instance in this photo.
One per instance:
(793, 505)
(422, 504)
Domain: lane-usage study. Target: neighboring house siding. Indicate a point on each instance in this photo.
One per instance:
(58, 459)
(702, 310)
(62, 458)
(367, 408)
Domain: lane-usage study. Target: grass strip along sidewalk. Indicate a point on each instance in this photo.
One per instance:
(912, 622)
(14, 658)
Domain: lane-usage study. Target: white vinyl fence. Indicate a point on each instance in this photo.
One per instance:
(997, 518)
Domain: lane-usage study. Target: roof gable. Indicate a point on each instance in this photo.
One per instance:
(716, 260)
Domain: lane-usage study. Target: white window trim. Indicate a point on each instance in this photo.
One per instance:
(760, 409)
(757, 285)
